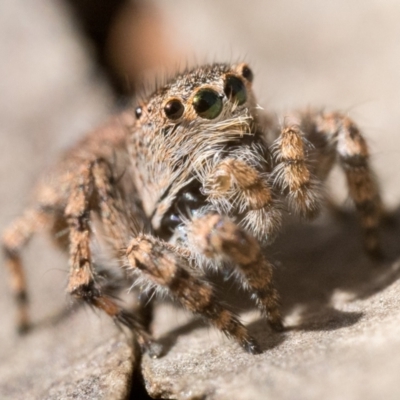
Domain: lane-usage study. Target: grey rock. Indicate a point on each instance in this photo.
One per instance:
(81, 356)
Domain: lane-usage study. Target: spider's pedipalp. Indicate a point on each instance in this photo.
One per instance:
(292, 174)
(250, 194)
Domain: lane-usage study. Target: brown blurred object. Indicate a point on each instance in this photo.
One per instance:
(128, 39)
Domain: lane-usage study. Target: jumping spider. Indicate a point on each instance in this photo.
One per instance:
(197, 176)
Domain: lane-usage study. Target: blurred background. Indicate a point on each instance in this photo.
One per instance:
(66, 65)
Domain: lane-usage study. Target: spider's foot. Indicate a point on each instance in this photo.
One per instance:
(144, 339)
(152, 348)
(251, 346)
(24, 328)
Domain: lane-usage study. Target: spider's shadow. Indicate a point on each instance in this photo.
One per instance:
(317, 261)
(314, 262)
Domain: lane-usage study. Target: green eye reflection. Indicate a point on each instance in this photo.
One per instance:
(207, 103)
(235, 90)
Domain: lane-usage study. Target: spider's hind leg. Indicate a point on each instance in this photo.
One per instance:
(14, 239)
(337, 137)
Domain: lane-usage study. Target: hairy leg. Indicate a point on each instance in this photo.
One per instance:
(337, 136)
(120, 222)
(218, 238)
(292, 173)
(118, 218)
(14, 239)
(238, 183)
(82, 281)
(167, 267)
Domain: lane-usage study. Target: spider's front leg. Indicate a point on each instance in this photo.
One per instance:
(220, 239)
(166, 266)
(94, 178)
(234, 183)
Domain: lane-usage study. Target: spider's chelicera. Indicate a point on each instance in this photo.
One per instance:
(196, 176)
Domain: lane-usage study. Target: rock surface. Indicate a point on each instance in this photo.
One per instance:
(79, 357)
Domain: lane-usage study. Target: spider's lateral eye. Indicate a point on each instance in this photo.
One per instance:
(138, 112)
(207, 103)
(235, 89)
(174, 109)
(247, 73)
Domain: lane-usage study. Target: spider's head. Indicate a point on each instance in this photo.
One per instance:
(205, 96)
(185, 123)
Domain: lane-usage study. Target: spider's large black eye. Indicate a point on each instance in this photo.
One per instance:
(207, 103)
(174, 109)
(235, 90)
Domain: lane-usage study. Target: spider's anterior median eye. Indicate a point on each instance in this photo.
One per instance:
(235, 89)
(174, 109)
(207, 103)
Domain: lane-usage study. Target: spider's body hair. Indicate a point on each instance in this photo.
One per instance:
(168, 156)
(198, 180)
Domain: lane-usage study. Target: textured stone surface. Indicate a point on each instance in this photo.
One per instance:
(79, 357)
